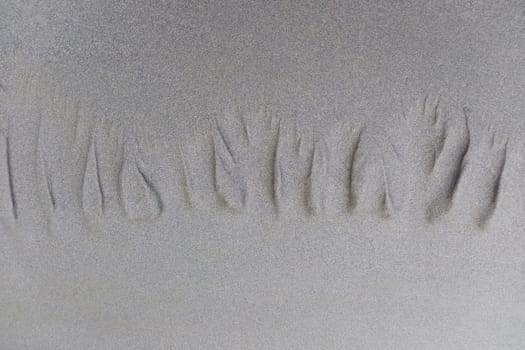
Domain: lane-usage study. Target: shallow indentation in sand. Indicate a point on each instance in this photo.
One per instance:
(247, 161)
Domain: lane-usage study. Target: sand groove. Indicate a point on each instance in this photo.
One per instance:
(228, 179)
(486, 168)
(317, 178)
(9, 208)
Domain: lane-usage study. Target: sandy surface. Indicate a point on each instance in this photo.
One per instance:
(233, 175)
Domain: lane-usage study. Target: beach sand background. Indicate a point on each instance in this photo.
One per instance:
(262, 175)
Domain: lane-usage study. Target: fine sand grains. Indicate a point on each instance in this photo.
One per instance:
(288, 236)
(59, 155)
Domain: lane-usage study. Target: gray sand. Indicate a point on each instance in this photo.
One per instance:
(234, 175)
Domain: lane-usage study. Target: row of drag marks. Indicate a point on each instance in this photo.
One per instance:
(56, 157)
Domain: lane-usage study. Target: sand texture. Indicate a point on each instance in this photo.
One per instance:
(204, 179)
